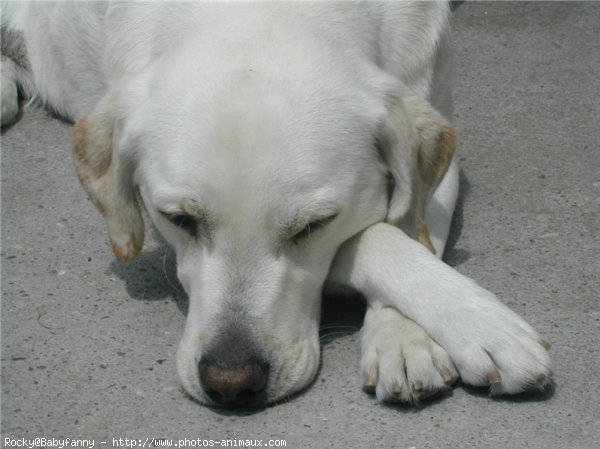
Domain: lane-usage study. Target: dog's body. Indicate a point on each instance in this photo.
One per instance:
(277, 147)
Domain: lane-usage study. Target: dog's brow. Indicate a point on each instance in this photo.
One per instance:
(192, 207)
(292, 226)
(202, 215)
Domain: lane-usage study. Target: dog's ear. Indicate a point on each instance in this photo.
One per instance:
(106, 176)
(418, 154)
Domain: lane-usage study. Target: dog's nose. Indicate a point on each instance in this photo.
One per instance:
(239, 386)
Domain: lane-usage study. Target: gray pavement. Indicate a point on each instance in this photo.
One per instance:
(88, 345)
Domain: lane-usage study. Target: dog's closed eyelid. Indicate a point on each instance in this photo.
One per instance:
(313, 226)
(182, 221)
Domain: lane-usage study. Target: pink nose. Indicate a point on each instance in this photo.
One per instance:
(237, 386)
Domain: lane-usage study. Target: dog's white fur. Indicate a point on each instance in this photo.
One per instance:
(258, 119)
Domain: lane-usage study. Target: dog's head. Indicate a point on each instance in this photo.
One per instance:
(256, 177)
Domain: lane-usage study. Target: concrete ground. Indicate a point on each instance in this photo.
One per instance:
(88, 345)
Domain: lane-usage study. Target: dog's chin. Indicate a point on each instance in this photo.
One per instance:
(295, 370)
(292, 370)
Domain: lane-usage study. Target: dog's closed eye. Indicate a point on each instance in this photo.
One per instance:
(312, 227)
(184, 222)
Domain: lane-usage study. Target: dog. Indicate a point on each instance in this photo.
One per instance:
(280, 149)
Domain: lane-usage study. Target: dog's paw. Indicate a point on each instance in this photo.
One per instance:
(399, 360)
(491, 346)
(9, 99)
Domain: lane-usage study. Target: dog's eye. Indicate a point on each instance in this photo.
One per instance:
(184, 222)
(311, 228)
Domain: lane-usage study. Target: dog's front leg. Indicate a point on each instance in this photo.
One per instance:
(14, 73)
(9, 95)
(489, 344)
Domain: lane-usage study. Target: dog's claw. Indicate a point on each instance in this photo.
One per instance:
(418, 388)
(369, 388)
(448, 377)
(493, 377)
(397, 390)
(370, 383)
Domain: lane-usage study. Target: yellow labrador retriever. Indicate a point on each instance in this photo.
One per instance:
(278, 147)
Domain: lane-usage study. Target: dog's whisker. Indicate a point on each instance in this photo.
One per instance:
(328, 337)
(173, 286)
(339, 332)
